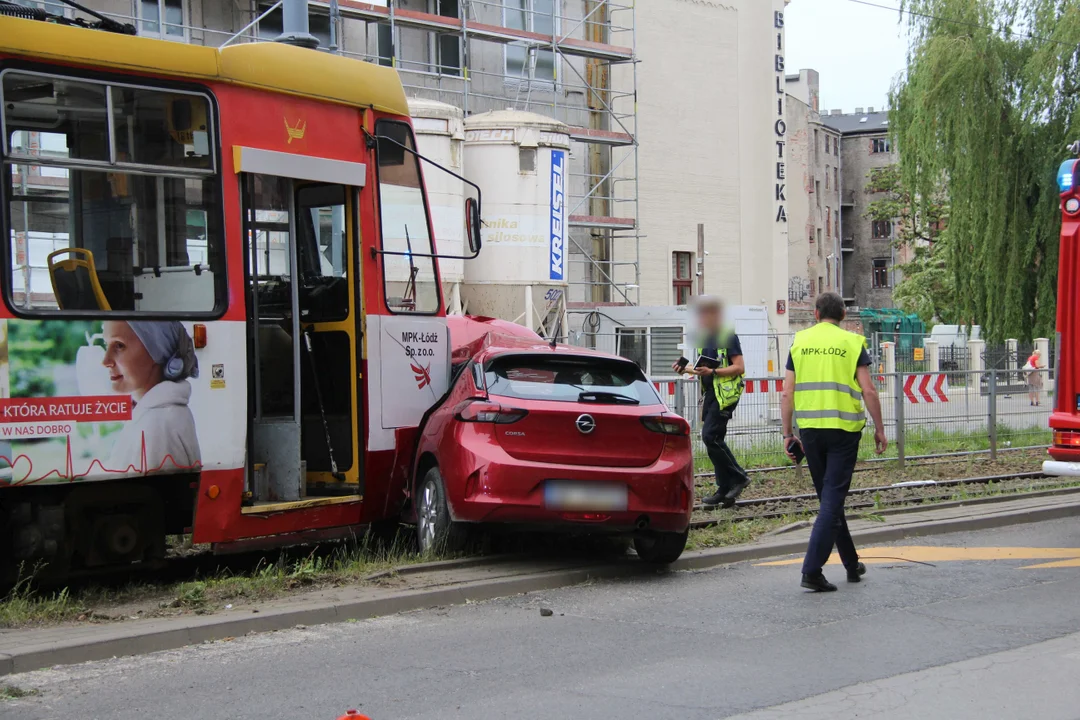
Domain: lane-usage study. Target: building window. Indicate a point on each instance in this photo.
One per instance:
(445, 47)
(879, 145)
(812, 238)
(827, 174)
(820, 284)
(881, 273)
(653, 349)
(828, 222)
(529, 62)
(164, 19)
(682, 276)
(816, 142)
(828, 273)
(270, 26)
(836, 178)
(836, 225)
(817, 191)
(836, 145)
(881, 229)
(819, 236)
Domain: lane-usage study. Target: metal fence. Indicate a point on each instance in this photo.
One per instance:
(924, 414)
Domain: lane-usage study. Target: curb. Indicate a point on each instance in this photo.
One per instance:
(140, 640)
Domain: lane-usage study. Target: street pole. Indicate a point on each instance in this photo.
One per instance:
(991, 418)
(899, 419)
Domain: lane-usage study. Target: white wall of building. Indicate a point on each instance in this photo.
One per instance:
(707, 126)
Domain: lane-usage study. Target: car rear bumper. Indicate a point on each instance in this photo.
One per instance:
(502, 489)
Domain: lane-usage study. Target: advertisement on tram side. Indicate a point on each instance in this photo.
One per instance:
(85, 400)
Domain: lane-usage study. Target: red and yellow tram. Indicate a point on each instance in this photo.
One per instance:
(221, 310)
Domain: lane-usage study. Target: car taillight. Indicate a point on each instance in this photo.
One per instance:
(485, 412)
(1064, 438)
(666, 424)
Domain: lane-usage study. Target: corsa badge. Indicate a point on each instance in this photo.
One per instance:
(295, 132)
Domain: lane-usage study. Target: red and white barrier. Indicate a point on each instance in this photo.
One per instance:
(763, 386)
(929, 388)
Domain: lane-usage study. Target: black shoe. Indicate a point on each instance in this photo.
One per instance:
(817, 583)
(734, 493)
(717, 498)
(855, 574)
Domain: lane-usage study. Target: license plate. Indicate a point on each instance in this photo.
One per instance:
(569, 495)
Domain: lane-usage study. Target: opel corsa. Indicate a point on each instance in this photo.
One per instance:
(551, 437)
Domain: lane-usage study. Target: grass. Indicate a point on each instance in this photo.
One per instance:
(13, 692)
(917, 441)
(24, 606)
(728, 533)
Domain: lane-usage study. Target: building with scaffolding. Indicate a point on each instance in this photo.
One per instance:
(675, 110)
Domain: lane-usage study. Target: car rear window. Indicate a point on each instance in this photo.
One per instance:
(566, 377)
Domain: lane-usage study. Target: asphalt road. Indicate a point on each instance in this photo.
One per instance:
(966, 637)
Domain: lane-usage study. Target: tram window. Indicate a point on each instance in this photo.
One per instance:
(58, 108)
(122, 179)
(321, 248)
(154, 241)
(409, 281)
(157, 128)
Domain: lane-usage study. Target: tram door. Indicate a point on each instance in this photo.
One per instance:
(303, 316)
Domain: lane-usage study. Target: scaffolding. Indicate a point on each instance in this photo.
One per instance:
(582, 52)
(577, 67)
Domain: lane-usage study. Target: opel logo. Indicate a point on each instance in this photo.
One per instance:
(585, 424)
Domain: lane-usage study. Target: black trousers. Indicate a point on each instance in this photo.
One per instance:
(830, 456)
(713, 432)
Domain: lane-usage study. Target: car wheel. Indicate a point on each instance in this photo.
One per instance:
(435, 531)
(661, 548)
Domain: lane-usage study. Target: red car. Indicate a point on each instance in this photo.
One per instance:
(551, 437)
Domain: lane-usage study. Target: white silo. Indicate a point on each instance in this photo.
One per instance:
(521, 161)
(439, 136)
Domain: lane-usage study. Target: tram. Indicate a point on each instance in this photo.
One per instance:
(1065, 419)
(222, 313)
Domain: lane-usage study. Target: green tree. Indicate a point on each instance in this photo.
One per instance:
(989, 102)
(927, 286)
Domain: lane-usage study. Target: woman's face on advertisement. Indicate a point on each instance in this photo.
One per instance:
(131, 369)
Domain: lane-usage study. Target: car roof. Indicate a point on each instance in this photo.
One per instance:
(484, 338)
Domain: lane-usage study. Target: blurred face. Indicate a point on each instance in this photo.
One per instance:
(131, 369)
(710, 317)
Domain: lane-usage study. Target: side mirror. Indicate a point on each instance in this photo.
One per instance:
(472, 225)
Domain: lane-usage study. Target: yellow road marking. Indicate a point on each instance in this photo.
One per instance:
(1060, 557)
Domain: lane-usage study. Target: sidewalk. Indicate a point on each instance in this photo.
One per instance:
(455, 582)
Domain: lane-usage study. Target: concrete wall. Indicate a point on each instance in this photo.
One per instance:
(707, 109)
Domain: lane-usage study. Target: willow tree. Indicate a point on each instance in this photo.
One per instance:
(987, 106)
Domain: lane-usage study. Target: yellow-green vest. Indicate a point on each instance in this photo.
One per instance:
(826, 392)
(728, 390)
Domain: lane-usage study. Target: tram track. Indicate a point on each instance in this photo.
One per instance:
(884, 497)
(190, 565)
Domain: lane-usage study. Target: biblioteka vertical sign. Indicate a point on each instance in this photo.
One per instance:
(780, 127)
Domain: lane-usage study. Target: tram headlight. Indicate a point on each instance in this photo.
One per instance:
(1072, 206)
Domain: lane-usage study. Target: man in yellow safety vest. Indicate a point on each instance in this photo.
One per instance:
(720, 366)
(826, 387)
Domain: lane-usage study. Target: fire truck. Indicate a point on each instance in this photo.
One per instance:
(1065, 419)
(222, 313)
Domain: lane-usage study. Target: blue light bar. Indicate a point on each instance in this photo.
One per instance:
(1065, 175)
